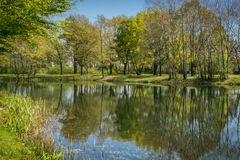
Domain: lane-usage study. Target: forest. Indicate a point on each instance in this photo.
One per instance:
(193, 37)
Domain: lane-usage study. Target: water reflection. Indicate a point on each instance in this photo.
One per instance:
(142, 122)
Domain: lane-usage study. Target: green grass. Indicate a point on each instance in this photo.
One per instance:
(21, 123)
(12, 147)
(53, 77)
(232, 80)
(145, 78)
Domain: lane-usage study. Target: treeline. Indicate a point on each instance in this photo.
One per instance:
(197, 37)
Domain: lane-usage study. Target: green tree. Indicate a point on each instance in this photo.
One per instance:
(24, 17)
(127, 39)
(4, 63)
(102, 26)
(155, 37)
(27, 57)
(82, 38)
(109, 45)
(60, 53)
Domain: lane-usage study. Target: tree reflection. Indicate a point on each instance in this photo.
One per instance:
(190, 121)
(82, 117)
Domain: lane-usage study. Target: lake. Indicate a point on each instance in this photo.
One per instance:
(129, 121)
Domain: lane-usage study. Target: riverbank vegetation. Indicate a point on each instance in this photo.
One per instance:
(233, 80)
(21, 129)
(196, 38)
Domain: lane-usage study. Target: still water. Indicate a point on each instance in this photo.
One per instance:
(123, 121)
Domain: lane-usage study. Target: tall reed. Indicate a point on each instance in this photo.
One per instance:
(27, 118)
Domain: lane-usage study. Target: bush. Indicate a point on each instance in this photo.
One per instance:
(68, 70)
(56, 70)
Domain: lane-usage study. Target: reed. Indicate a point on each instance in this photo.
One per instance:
(27, 118)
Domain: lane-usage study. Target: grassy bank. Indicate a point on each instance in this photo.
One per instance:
(131, 78)
(12, 147)
(192, 80)
(51, 77)
(21, 124)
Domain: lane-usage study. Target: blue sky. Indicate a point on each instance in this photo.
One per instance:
(108, 8)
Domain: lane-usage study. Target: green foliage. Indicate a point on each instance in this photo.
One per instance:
(24, 17)
(56, 70)
(27, 57)
(192, 38)
(4, 63)
(82, 38)
(126, 39)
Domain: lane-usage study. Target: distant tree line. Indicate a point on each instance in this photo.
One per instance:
(174, 37)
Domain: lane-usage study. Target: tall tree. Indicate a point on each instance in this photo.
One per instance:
(101, 22)
(155, 37)
(126, 40)
(27, 57)
(82, 38)
(109, 41)
(60, 54)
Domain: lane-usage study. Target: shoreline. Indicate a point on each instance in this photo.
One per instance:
(233, 80)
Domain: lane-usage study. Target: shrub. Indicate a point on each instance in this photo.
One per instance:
(56, 70)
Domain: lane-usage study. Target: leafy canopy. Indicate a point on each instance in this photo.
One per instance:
(27, 17)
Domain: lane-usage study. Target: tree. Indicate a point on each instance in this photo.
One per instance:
(82, 38)
(155, 37)
(24, 17)
(61, 54)
(141, 57)
(27, 57)
(4, 63)
(101, 22)
(198, 36)
(107, 29)
(126, 39)
(109, 45)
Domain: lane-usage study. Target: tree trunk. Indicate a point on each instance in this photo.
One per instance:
(185, 74)
(81, 71)
(125, 69)
(102, 71)
(138, 73)
(61, 69)
(238, 68)
(110, 68)
(75, 67)
(192, 69)
(160, 69)
(155, 66)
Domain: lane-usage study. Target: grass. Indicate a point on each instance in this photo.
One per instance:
(191, 80)
(12, 147)
(145, 78)
(232, 80)
(53, 77)
(21, 124)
